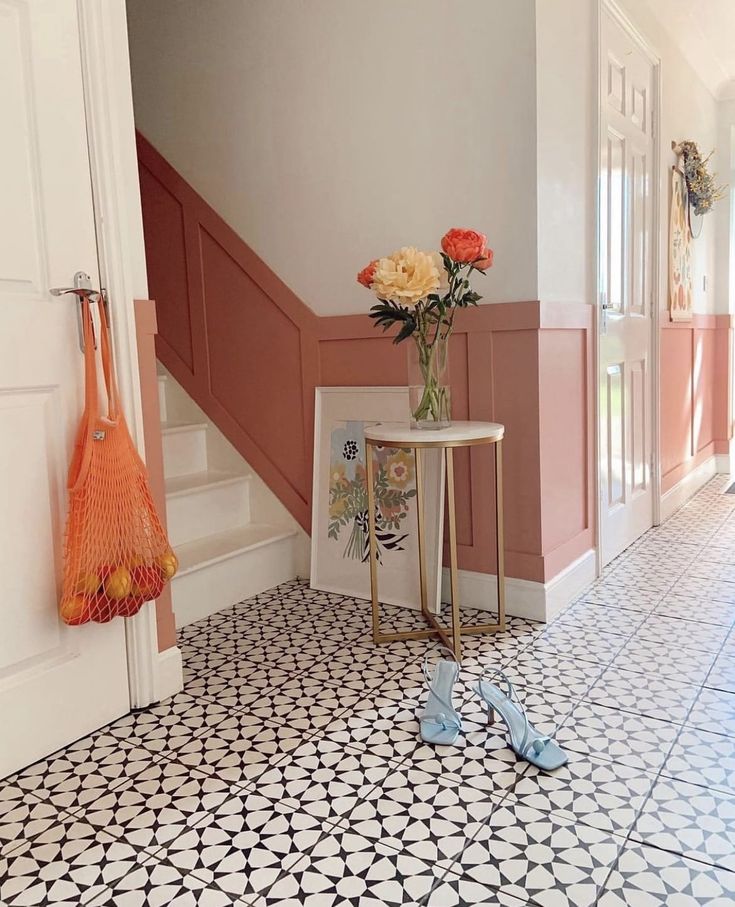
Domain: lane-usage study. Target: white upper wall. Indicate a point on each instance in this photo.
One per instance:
(329, 132)
(566, 79)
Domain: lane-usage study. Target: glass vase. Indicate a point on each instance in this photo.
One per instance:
(428, 383)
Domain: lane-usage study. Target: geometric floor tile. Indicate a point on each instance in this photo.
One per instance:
(243, 847)
(150, 813)
(23, 816)
(618, 596)
(323, 778)
(703, 758)
(425, 815)
(654, 878)
(551, 672)
(648, 656)
(606, 618)
(631, 740)
(714, 711)
(688, 634)
(541, 857)
(701, 611)
(239, 748)
(390, 732)
(644, 694)
(156, 883)
(595, 791)
(722, 675)
(703, 588)
(344, 868)
(585, 645)
(69, 863)
(237, 686)
(455, 891)
(689, 820)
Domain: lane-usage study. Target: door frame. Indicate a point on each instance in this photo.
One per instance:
(623, 20)
(114, 177)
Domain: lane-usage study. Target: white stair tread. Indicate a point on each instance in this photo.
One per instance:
(213, 548)
(196, 481)
(169, 428)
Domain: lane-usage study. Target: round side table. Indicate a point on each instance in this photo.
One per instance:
(459, 434)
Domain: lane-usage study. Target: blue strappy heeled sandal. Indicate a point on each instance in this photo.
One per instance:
(525, 740)
(440, 721)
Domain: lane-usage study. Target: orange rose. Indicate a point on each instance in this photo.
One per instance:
(365, 277)
(486, 261)
(463, 245)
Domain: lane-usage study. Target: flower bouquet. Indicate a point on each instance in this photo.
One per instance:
(421, 292)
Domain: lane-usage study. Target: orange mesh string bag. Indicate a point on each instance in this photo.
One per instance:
(116, 553)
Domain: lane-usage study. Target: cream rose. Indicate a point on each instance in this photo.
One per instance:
(408, 275)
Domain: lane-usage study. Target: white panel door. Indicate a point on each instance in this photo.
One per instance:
(626, 270)
(57, 683)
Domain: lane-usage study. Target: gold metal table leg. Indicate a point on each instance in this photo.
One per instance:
(499, 536)
(372, 542)
(453, 584)
(418, 460)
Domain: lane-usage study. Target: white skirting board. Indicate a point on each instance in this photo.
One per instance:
(677, 496)
(170, 673)
(523, 598)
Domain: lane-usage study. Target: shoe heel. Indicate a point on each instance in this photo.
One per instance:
(490, 716)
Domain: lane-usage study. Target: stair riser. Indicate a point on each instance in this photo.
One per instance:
(202, 512)
(184, 452)
(211, 588)
(162, 397)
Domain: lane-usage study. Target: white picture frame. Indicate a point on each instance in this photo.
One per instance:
(339, 504)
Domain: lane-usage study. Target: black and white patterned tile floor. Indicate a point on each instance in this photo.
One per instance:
(290, 771)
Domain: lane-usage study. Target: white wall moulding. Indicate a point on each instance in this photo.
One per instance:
(523, 598)
(676, 497)
(170, 674)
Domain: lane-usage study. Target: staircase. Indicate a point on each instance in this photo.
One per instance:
(232, 536)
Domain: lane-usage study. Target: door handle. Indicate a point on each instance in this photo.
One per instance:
(82, 289)
(604, 306)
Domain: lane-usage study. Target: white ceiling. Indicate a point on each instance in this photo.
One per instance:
(704, 30)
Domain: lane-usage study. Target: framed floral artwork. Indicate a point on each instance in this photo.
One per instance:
(680, 253)
(339, 529)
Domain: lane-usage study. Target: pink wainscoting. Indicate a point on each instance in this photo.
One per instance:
(694, 394)
(146, 330)
(251, 353)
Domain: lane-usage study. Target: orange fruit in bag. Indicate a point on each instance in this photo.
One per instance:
(118, 583)
(169, 564)
(88, 584)
(147, 582)
(74, 610)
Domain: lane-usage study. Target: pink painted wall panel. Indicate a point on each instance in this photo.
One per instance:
(374, 361)
(565, 467)
(254, 353)
(694, 394)
(515, 390)
(166, 259)
(676, 399)
(704, 375)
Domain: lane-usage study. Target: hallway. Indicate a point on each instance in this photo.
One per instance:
(290, 770)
